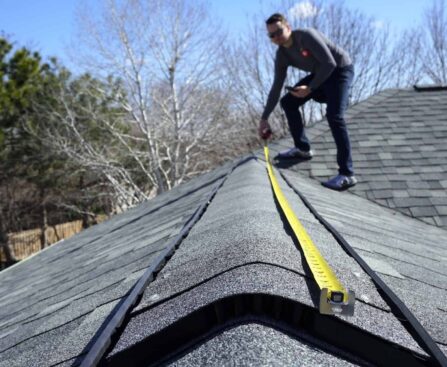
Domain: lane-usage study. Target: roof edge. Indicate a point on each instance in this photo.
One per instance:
(429, 88)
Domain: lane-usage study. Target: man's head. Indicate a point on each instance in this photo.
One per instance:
(278, 29)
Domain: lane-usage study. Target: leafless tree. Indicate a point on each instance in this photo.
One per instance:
(249, 63)
(406, 69)
(85, 122)
(367, 41)
(172, 96)
(434, 49)
(420, 52)
(187, 97)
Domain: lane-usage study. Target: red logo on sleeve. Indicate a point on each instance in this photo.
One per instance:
(304, 52)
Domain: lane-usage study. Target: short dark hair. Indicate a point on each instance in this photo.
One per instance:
(276, 18)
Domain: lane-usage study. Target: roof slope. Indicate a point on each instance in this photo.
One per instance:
(398, 139)
(53, 303)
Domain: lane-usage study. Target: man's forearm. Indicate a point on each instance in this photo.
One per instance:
(272, 100)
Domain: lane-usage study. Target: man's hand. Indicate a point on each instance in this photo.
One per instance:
(301, 91)
(264, 129)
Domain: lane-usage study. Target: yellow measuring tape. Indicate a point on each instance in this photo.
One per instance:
(333, 297)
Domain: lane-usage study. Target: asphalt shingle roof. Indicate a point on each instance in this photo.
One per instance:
(399, 149)
(249, 344)
(236, 250)
(237, 290)
(53, 303)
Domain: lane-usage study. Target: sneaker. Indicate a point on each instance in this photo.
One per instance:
(294, 153)
(340, 182)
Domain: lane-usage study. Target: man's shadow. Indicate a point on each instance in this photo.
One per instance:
(289, 162)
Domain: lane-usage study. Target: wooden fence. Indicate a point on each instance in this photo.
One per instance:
(26, 243)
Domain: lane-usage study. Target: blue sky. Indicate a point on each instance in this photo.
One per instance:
(48, 25)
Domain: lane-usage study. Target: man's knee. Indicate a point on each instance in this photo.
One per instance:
(335, 119)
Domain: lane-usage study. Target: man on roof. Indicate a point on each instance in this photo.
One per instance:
(329, 81)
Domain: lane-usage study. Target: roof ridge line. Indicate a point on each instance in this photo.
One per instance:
(429, 87)
(100, 342)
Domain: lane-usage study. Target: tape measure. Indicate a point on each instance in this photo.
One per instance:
(334, 298)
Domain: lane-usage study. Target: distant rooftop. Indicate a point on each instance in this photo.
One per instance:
(399, 148)
(428, 88)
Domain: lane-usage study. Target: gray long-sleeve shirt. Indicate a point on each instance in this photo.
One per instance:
(310, 51)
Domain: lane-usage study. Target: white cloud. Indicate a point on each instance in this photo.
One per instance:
(303, 10)
(379, 24)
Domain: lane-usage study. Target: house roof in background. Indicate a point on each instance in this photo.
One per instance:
(398, 139)
(237, 287)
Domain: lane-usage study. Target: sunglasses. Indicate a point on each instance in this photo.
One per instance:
(276, 33)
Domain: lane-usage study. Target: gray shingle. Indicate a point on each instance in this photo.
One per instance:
(256, 345)
(418, 185)
(412, 202)
(420, 193)
(380, 185)
(383, 194)
(423, 211)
